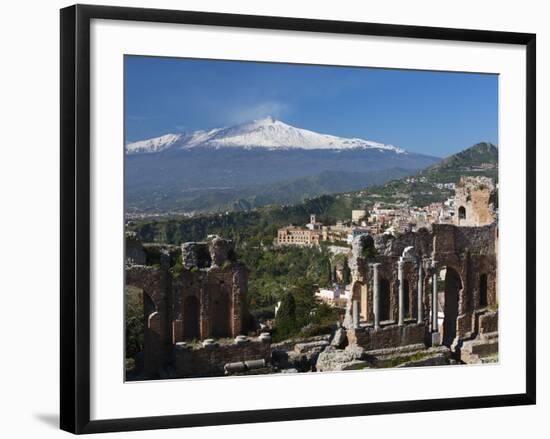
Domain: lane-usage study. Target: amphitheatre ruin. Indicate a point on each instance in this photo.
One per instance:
(427, 298)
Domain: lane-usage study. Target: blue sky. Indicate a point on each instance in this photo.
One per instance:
(436, 113)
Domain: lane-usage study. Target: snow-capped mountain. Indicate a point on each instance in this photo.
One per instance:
(153, 145)
(264, 133)
(252, 164)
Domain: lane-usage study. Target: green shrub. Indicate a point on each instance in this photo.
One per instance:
(177, 269)
(285, 320)
(135, 321)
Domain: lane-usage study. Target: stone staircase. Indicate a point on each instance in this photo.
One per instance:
(482, 349)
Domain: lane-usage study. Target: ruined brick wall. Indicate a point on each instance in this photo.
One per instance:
(134, 252)
(474, 201)
(155, 283)
(478, 240)
(210, 360)
(468, 254)
(471, 252)
(153, 252)
(205, 297)
(488, 322)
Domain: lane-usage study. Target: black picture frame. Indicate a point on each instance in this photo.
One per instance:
(75, 217)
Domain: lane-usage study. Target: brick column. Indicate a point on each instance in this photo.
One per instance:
(435, 327)
(400, 277)
(204, 323)
(355, 313)
(420, 295)
(376, 295)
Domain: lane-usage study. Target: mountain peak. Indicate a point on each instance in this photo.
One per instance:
(156, 144)
(480, 154)
(268, 120)
(267, 133)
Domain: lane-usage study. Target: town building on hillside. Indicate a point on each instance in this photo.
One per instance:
(376, 228)
(336, 232)
(358, 215)
(299, 236)
(313, 233)
(313, 223)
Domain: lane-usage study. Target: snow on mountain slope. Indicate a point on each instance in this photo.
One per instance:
(153, 145)
(264, 133)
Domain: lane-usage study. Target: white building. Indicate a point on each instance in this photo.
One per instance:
(334, 296)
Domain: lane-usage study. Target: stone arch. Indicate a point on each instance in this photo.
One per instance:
(384, 299)
(220, 315)
(191, 318)
(461, 213)
(453, 287)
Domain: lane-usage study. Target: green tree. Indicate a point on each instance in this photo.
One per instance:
(327, 275)
(285, 320)
(134, 321)
(347, 272)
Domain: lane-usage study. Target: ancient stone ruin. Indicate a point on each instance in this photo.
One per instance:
(422, 298)
(429, 288)
(199, 300)
(475, 199)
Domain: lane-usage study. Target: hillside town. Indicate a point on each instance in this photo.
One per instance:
(400, 218)
(472, 205)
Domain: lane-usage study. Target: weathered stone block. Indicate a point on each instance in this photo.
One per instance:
(488, 322)
(340, 339)
(211, 360)
(388, 336)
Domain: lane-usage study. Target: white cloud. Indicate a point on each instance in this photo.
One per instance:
(256, 111)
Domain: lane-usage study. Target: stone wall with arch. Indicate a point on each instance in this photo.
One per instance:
(468, 251)
(204, 298)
